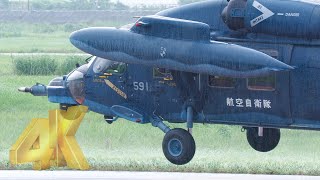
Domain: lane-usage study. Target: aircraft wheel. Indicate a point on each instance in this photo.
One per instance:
(178, 146)
(265, 143)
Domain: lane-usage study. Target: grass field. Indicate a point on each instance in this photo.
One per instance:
(128, 146)
(35, 38)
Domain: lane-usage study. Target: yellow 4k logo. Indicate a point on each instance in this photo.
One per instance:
(51, 142)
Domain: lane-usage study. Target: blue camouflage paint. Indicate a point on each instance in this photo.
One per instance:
(194, 41)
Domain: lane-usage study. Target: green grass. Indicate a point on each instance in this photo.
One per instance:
(128, 146)
(36, 38)
(36, 45)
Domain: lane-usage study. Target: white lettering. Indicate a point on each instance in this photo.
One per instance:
(292, 14)
(239, 102)
(140, 86)
(248, 103)
(257, 103)
(266, 13)
(267, 104)
(230, 102)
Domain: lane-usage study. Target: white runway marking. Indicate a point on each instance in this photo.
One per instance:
(114, 175)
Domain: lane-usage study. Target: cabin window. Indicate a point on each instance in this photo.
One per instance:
(162, 73)
(266, 83)
(221, 82)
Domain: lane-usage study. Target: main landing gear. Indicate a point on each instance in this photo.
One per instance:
(263, 139)
(178, 144)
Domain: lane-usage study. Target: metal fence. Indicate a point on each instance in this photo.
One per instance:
(58, 17)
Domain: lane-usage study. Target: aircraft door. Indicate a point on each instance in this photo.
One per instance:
(166, 98)
(175, 91)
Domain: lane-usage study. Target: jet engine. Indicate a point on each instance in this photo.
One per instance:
(298, 19)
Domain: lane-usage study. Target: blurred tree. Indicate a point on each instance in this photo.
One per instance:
(181, 2)
(120, 6)
(4, 4)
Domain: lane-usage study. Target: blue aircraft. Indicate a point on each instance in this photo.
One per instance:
(253, 63)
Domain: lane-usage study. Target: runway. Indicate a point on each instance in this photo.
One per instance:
(114, 175)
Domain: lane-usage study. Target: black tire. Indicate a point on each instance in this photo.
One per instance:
(178, 146)
(265, 143)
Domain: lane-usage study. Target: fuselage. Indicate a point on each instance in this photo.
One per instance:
(286, 99)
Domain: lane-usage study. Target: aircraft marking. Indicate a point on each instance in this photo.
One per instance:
(266, 13)
(292, 14)
(289, 14)
(116, 89)
(140, 86)
(163, 52)
(249, 103)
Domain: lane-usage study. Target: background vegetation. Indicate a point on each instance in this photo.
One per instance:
(72, 4)
(37, 38)
(62, 5)
(45, 65)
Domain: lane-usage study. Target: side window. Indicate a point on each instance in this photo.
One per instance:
(266, 83)
(162, 73)
(221, 82)
(116, 68)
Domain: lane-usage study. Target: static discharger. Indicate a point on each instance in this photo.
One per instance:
(51, 142)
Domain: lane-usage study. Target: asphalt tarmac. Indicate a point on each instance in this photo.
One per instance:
(114, 175)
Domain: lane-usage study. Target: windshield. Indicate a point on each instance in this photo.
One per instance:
(106, 66)
(75, 83)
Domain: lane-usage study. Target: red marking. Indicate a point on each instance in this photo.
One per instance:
(80, 100)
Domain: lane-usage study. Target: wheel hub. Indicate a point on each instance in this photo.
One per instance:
(175, 147)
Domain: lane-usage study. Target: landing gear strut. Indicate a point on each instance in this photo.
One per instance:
(178, 144)
(263, 139)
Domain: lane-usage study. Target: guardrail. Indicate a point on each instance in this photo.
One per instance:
(57, 17)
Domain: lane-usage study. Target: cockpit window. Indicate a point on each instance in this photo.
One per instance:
(106, 66)
(116, 68)
(100, 64)
(75, 83)
(75, 75)
(83, 69)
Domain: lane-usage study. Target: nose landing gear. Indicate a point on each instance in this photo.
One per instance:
(178, 146)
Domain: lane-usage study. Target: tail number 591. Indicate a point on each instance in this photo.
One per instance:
(140, 86)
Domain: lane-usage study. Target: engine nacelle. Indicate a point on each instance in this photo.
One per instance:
(298, 19)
